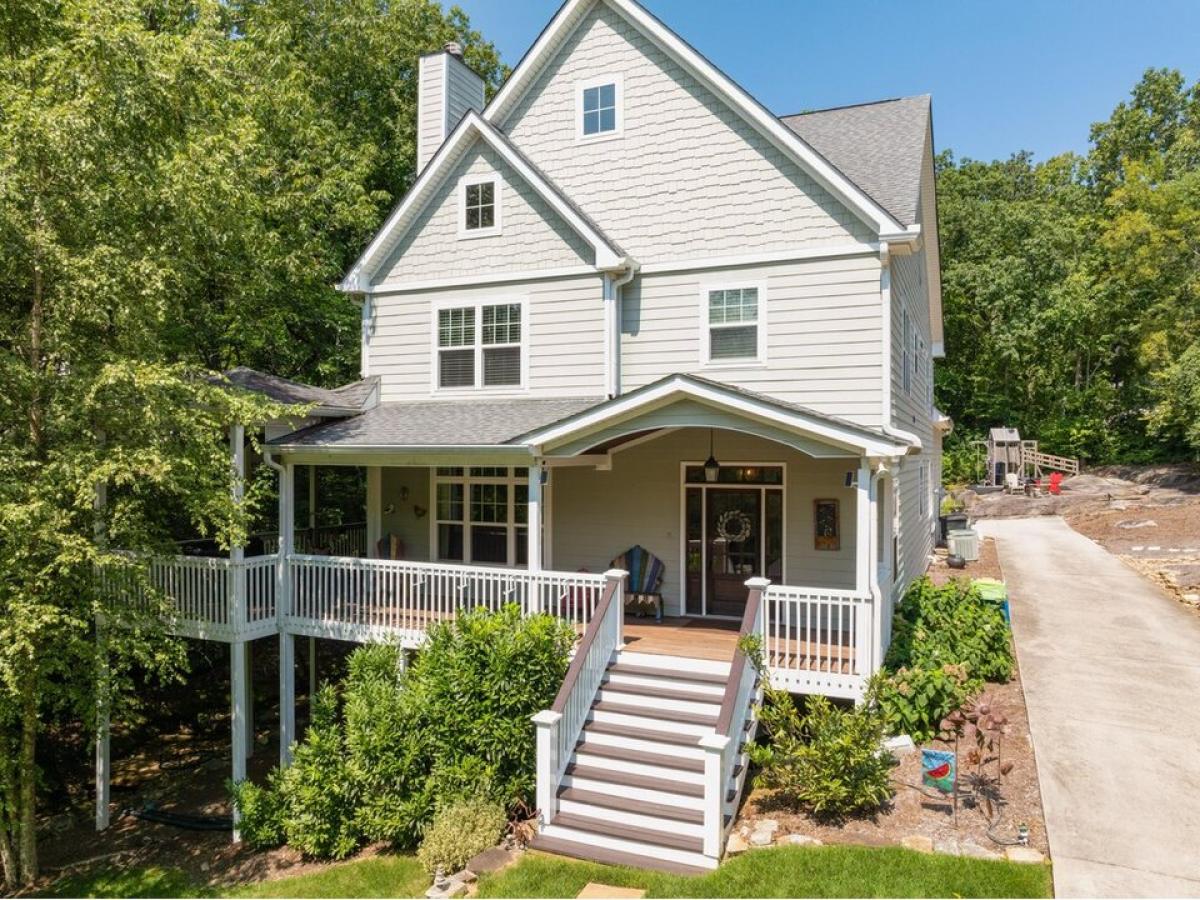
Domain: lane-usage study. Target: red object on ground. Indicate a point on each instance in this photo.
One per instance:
(1056, 482)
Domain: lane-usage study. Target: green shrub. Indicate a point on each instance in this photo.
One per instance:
(318, 796)
(914, 701)
(261, 813)
(459, 831)
(827, 760)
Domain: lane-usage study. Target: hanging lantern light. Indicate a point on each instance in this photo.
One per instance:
(712, 468)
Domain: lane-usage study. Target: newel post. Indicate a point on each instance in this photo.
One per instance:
(715, 746)
(547, 722)
(615, 579)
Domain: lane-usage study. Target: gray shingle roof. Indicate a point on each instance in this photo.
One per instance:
(349, 396)
(444, 423)
(879, 146)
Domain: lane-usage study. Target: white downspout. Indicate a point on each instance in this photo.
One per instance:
(612, 327)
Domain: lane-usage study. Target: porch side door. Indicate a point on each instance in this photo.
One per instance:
(733, 547)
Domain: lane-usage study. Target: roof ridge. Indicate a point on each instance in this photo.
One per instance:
(880, 102)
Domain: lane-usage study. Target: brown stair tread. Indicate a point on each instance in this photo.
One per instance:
(666, 691)
(624, 754)
(667, 715)
(676, 675)
(652, 836)
(563, 847)
(628, 779)
(628, 804)
(652, 735)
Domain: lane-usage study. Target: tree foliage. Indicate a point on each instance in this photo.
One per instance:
(1072, 286)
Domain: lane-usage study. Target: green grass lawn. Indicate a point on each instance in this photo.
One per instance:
(843, 871)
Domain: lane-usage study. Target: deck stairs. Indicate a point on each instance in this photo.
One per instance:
(633, 790)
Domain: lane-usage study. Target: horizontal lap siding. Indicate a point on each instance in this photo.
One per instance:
(532, 235)
(688, 177)
(566, 321)
(597, 515)
(402, 520)
(824, 332)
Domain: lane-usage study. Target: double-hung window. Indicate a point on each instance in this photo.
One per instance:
(480, 346)
(481, 515)
(734, 319)
(598, 108)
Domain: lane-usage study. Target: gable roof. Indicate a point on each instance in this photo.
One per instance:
(608, 255)
(879, 146)
(349, 399)
(794, 145)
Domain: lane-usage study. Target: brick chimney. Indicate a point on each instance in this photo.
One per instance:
(446, 89)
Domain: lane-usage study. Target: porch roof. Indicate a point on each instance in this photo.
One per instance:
(348, 399)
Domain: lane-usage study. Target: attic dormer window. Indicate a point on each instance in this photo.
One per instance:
(480, 198)
(598, 108)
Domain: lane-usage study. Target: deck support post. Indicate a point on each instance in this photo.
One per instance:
(287, 697)
(248, 687)
(715, 747)
(103, 734)
(536, 473)
(374, 509)
(237, 667)
(312, 671)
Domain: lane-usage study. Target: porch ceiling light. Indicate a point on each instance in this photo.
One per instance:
(712, 468)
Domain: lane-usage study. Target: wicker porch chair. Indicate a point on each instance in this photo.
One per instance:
(643, 582)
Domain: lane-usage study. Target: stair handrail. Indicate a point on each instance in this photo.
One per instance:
(558, 727)
(721, 747)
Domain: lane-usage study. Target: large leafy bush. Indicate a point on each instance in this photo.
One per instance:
(828, 760)
(460, 830)
(394, 745)
(946, 642)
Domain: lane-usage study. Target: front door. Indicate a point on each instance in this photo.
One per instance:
(733, 530)
(733, 546)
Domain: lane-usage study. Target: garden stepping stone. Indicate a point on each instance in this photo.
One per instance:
(736, 844)
(919, 842)
(596, 890)
(1024, 855)
(801, 840)
(491, 860)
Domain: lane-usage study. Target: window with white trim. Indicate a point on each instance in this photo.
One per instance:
(479, 206)
(733, 316)
(481, 515)
(598, 108)
(480, 346)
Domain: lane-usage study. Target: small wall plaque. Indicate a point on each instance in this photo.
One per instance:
(827, 525)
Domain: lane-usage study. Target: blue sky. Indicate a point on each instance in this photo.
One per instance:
(1004, 76)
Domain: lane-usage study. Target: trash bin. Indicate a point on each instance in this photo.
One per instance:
(957, 521)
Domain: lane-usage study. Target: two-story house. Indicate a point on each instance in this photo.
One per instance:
(625, 306)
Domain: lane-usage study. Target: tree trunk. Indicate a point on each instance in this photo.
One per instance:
(27, 774)
(36, 316)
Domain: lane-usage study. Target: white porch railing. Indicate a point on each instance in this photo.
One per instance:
(343, 597)
(558, 727)
(334, 540)
(819, 641)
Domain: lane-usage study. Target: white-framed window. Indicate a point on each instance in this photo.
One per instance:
(479, 345)
(733, 324)
(905, 352)
(479, 206)
(480, 515)
(599, 111)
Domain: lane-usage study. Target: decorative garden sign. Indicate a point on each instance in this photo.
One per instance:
(828, 528)
(937, 770)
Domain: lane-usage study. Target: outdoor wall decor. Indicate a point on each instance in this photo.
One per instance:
(827, 525)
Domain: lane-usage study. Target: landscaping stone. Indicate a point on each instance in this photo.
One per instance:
(736, 844)
(899, 745)
(595, 889)
(761, 838)
(466, 876)
(973, 850)
(919, 842)
(1024, 855)
(491, 860)
(801, 840)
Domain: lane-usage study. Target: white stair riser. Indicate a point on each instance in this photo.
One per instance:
(614, 694)
(673, 665)
(636, 820)
(671, 854)
(633, 793)
(631, 767)
(650, 746)
(633, 721)
(717, 691)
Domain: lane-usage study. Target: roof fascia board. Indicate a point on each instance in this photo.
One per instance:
(833, 180)
(359, 277)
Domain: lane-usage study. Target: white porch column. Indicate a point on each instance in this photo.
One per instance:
(283, 605)
(374, 508)
(248, 704)
(237, 670)
(862, 528)
(534, 526)
(287, 697)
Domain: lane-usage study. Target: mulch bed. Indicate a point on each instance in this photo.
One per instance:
(917, 811)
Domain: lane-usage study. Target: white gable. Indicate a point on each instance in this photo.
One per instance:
(532, 235)
(689, 176)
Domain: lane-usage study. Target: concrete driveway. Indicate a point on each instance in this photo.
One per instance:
(1111, 668)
